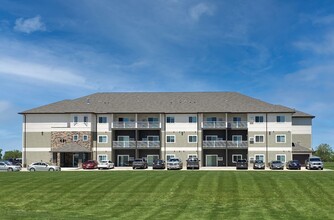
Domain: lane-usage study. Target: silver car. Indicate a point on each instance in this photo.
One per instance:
(175, 164)
(105, 164)
(7, 166)
(41, 166)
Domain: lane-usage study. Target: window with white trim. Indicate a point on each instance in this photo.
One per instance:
(236, 157)
(170, 119)
(192, 155)
(280, 118)
(259, 119)
(85, 119)
(170, 138)
(192, 139)
(259, 157)
(169, 156)
(85, 138)
(259, 138)
(192, 119)
(102, 157)
(280, 138)
(75, 137)
(103, 119)
(281, 157)
(102, 139)
(75, 119)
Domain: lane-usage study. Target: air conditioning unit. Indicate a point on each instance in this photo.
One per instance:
(251, 140)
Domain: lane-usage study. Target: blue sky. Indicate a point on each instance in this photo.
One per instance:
(281, 52)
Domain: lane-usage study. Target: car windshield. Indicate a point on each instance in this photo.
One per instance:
(174, 160)
(315, 159)
(258, 161)
(294, 161)
(138, 160)
(277, 161)
(241, 161)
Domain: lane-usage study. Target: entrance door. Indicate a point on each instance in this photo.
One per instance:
(151, 158)
(75, 159)
(212, 160)
(124, 140)
(123, 160)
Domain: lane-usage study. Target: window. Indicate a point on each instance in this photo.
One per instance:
(123, 119)
(170, 119)
(85, 138)
(75, 119)
(170, 138)
(280, 138)
(258, 119)
(192, 139)
(259, 138)
(169, 156)
(211, 138)
(103, 157)
(280, 157)
(152, 120)
(192, 155)
(85, 119)
(211, 119)
(153, 138)
(259, 157)
(236, 157)
(237, 139)
(236, 119)
(192, 119)
(103, 119)
(75, 137)
(280, 118)
(103, 139)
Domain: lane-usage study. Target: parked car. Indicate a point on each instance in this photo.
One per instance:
(276, 165)
(293, 164)
(259, 164)
(16, 161)
(41, 166)
(193, 163)
(139, 163)
(105, 164)
(90, 164)
(6, 166)
(314, 163)
(174, 163)
(159, 164)
(242, 164)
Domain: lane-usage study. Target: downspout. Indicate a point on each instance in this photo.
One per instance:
(197, 144)
(267, 140)
(96, 136)
(226, 151)
(25, 141)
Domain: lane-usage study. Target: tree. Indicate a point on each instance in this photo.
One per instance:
(0, 153)
(325, 152)
(12, 154)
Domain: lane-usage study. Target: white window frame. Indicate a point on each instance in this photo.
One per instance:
(75, 119)
(262, 155)
(255, 141)
(280, 135)
(259, 116)
(174, 138)
(85, 138)
(280, 118)
(192, 156)
(98, 139)
(102, 155)
(277, 155)
(75, 137)
(239, 157)
(170, 156)
(192, 136)
(192, 119)
(102, 121)
(170, 119)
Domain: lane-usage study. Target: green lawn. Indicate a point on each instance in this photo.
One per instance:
(329, 165)
(167, 195)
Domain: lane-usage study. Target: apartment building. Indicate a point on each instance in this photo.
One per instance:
(217, 127)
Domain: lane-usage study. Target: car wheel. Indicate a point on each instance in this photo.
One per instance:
(10, 169)
(133, 168)
(51, 169)
(32, 170)
(322, 168)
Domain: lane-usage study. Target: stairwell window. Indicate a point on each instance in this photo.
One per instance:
(192, 119)
(75, 120)
(259, 139)
(192, 139)
(170, 119)
(103, 139)
(86, 120)
(103, 119)
(281, 138)
(280, 118)
(259, 119)
(170, 138)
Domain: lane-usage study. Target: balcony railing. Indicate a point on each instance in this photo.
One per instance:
(237, 124)
(134, 124)
(148, 144)
(214, 124)
(147, 124)
(214, 144)
(237, 144)
(124, 124)
(124, 144)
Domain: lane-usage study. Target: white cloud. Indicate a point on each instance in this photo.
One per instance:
(29, 25)
(201, 9)
(36, 71)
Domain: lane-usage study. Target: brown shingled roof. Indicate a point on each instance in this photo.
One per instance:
(162, 102)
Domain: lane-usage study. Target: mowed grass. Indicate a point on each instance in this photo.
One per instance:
(167, 195)
(329, 165)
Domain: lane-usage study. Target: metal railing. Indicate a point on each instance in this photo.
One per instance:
(124, 144)
(237, 144)
(237, 124)
(214, 124)
(214, 144)
(148, 144)
(147, 124)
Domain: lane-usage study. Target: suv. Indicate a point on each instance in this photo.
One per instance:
(314, 163)
(139, 163)
(174, 163)
(193, 163)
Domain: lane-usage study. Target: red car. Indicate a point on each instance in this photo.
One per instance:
(90, 164)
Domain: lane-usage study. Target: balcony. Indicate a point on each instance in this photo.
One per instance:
(124, 144)
(148, 144)
(237, 124)
(148, 124)
(214, 124)
(237, 144)
(134, 124)
(124, 124)
(220, 144)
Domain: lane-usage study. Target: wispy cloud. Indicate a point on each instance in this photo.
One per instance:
(197, 11)
(29, 25)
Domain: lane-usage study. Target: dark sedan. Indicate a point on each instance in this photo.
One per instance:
(90, 164)
(293, 165)
(259, 164)
(159, 164)
(242, 164)
(277, 165)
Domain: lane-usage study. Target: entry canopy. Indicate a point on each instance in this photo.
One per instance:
(71, 147)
